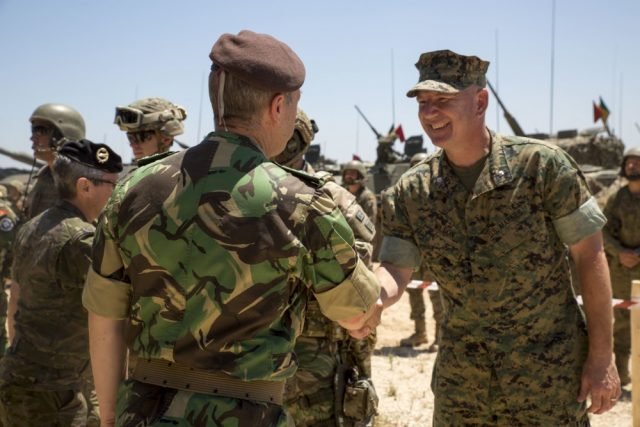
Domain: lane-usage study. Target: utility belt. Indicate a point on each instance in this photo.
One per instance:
(317, 325)
(174, 375)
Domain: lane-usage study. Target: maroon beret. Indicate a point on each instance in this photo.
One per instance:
(260, 60)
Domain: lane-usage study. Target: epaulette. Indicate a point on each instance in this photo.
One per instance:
(311, 180)
(154, 158)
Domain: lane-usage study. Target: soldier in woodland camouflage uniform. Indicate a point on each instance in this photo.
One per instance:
(203, 260)
(490, 217)
(41, 376)
(353, 174)
(326, 354)
(151, 125)
(622, 243)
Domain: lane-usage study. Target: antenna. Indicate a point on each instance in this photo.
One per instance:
(393, 97)
(497, 86)
(553, 42)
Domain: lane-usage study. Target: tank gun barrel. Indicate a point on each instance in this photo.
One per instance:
(378, 135)
(513, 123)
(20, 157)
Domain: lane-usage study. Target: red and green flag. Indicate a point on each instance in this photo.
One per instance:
(600, 111)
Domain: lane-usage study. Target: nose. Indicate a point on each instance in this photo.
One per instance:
(427, 108)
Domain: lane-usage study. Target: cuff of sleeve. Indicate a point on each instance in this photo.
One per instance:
(106, 297)
(582, 222)
(399, 252)
(354, 296)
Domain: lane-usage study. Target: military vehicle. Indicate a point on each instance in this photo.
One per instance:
(390, 164)
(597, 152)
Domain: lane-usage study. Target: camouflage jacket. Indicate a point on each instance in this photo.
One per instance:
(8, 227)
(623, 222)
(43, 194)
(50, 349)
(499, 253)
(367, 200)
(207, 254)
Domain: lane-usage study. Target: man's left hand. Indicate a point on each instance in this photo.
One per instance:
(600, 380)
(371, 323)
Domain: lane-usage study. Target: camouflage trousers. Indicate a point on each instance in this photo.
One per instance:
(310, 396)
(24, 407)
(418, 308)
(141, 404)
(475, 387)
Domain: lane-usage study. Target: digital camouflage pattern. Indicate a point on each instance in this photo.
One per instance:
(272, 235)
(513, 337)
(49, 355)
(42, 195)
(367, 200)
(622, 231)
(324, 347)
(448, 72)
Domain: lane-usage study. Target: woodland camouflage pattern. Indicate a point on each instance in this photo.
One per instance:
(220, 246)
(50, 352)
(310, 396)
(513, 337)
(622, 231)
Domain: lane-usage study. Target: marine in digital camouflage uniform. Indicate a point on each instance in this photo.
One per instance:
(490, 217)
(51, 126)
(203, 260)
(622, 243)
(326, 353)
(353, 174)
(42, 374)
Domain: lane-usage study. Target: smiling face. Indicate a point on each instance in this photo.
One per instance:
(452, 118)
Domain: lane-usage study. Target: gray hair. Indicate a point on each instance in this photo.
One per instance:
(66, 173)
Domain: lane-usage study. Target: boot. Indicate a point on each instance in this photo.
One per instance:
(419, 337)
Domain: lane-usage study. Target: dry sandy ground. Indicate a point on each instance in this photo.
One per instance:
(402, 376)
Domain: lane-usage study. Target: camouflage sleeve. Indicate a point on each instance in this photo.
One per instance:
(567, 199)
(370, 207)
(332, 260)
(398, 246)
(105, 292)
(611, 230)
(74, 260)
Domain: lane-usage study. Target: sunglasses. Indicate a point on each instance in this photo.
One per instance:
(141, 137)
(104, 181)
(41, 130)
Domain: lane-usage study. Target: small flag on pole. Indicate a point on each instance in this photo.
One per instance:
(400, 133)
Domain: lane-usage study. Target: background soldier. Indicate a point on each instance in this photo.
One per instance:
(207, 256)
(51, 126)
(41, 376)
(353, 174)
(416, 298)
(490, 219)
(151, 125)
(622, 243)
(8, 223)
(318, 394)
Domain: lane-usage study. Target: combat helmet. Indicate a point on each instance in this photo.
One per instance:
(304, 132)
(631, 152)
(151, 114)
(416, 158)
(65, 119)
(356, 165)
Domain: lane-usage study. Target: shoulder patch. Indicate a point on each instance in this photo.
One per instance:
(6, 224)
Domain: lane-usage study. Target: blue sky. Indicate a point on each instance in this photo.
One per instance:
(94, 55)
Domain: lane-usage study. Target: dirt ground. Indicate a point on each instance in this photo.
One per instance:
(402, 376)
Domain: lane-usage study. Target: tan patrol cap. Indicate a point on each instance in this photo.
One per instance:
(448, 72)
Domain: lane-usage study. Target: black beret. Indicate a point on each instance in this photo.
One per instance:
(97, 156)
(260, 60)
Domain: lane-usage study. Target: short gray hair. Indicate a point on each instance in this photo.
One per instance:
(66, 173)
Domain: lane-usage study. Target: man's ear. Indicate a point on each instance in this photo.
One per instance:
(276, 107)
(482, 101)
(83, 185)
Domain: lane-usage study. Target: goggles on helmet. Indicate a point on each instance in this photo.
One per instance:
(131, 118)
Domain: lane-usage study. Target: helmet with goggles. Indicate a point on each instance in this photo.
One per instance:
(151, 114)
